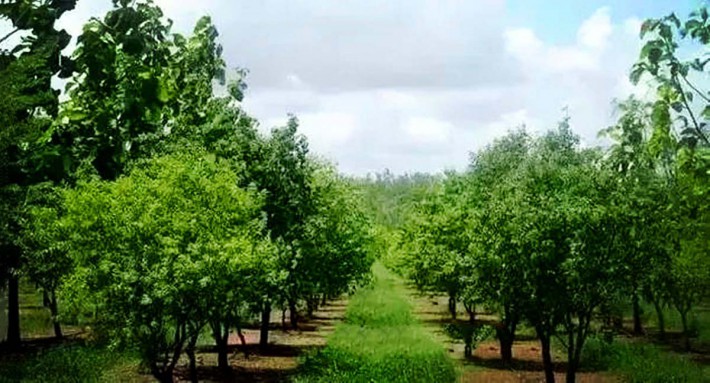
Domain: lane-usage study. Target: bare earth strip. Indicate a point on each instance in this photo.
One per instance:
(277, 363)
(485, 364)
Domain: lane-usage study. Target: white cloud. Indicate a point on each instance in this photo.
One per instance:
(427, 130)
(411, 85)
(596, 30)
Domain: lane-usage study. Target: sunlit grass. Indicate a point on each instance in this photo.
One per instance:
(380, 341)
(641, 362)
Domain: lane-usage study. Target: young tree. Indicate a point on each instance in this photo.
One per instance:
(156, 251)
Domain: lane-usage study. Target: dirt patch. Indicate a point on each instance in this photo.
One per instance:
(277, 362)
(486, 365)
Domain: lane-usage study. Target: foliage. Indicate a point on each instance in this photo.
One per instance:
(162, 247)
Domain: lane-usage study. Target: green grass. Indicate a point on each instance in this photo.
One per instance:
(69, 364)
(380, 341)
(641, 362)
(698, 320)
(35, 319)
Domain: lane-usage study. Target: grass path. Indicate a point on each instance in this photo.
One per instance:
(380, 341)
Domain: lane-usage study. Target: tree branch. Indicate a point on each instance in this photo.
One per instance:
(706, 98)
(7, 36)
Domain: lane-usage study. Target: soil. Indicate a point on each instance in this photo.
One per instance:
(279, 361)
(485, 365)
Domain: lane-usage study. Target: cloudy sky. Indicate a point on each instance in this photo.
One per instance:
(415, 85)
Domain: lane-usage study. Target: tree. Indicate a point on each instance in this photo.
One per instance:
(28, 105)
(117, 111)
(157, 251)
(487, 266)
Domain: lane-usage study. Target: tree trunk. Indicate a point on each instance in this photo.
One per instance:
(293, 312)
(452, 305)
(661, 320)
(53, 308)
(13, 312)
(265, 319)
(312, 306)
(45, 299)
(221, 337)
(323, 300)
(506, 344)
(244, 342)
(547, 357)
(506, 336)
(163, 376)
(638, 327)
(471, 310)
(684, 322)
(190, 351)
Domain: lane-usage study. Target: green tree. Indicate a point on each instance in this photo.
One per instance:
(157, 251)
(26, 111)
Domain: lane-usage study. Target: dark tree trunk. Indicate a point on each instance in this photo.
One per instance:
(684, 322)
(312, 306)
(244, 342)
(506, 344)
(323, 300)
(190, 351)
(163, 376)
(547, 357)
(452, 305)
(45, 299)
(283, 319)
(293, 314)
(506, 336)
(638, 326)
(13, 312)
(471, 310)
(265, 319)
(221, 337)
(53, 308)
(661, 319)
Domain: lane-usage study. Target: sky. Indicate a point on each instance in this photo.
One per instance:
(416, 85)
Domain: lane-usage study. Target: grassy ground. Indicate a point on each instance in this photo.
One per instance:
(70, 362)
(637, 361)
(380, 341)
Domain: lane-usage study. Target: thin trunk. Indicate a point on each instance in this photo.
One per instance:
(283, 319)
(684, 322)
(190, 351)
(53, 308)
(661, 319)
(546, 357)
(638, 327)
(293, 313)
(45, 299)
(164, 374)
(452, 305)
(311, 305)
(323, 300)
(471, 310)
(244, 342)
(265, 318)
(13, 312)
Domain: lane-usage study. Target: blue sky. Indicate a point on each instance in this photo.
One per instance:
(558, 20)
(415, 85)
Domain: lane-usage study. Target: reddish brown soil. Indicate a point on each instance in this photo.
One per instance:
(280, 360)
(485, 364)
